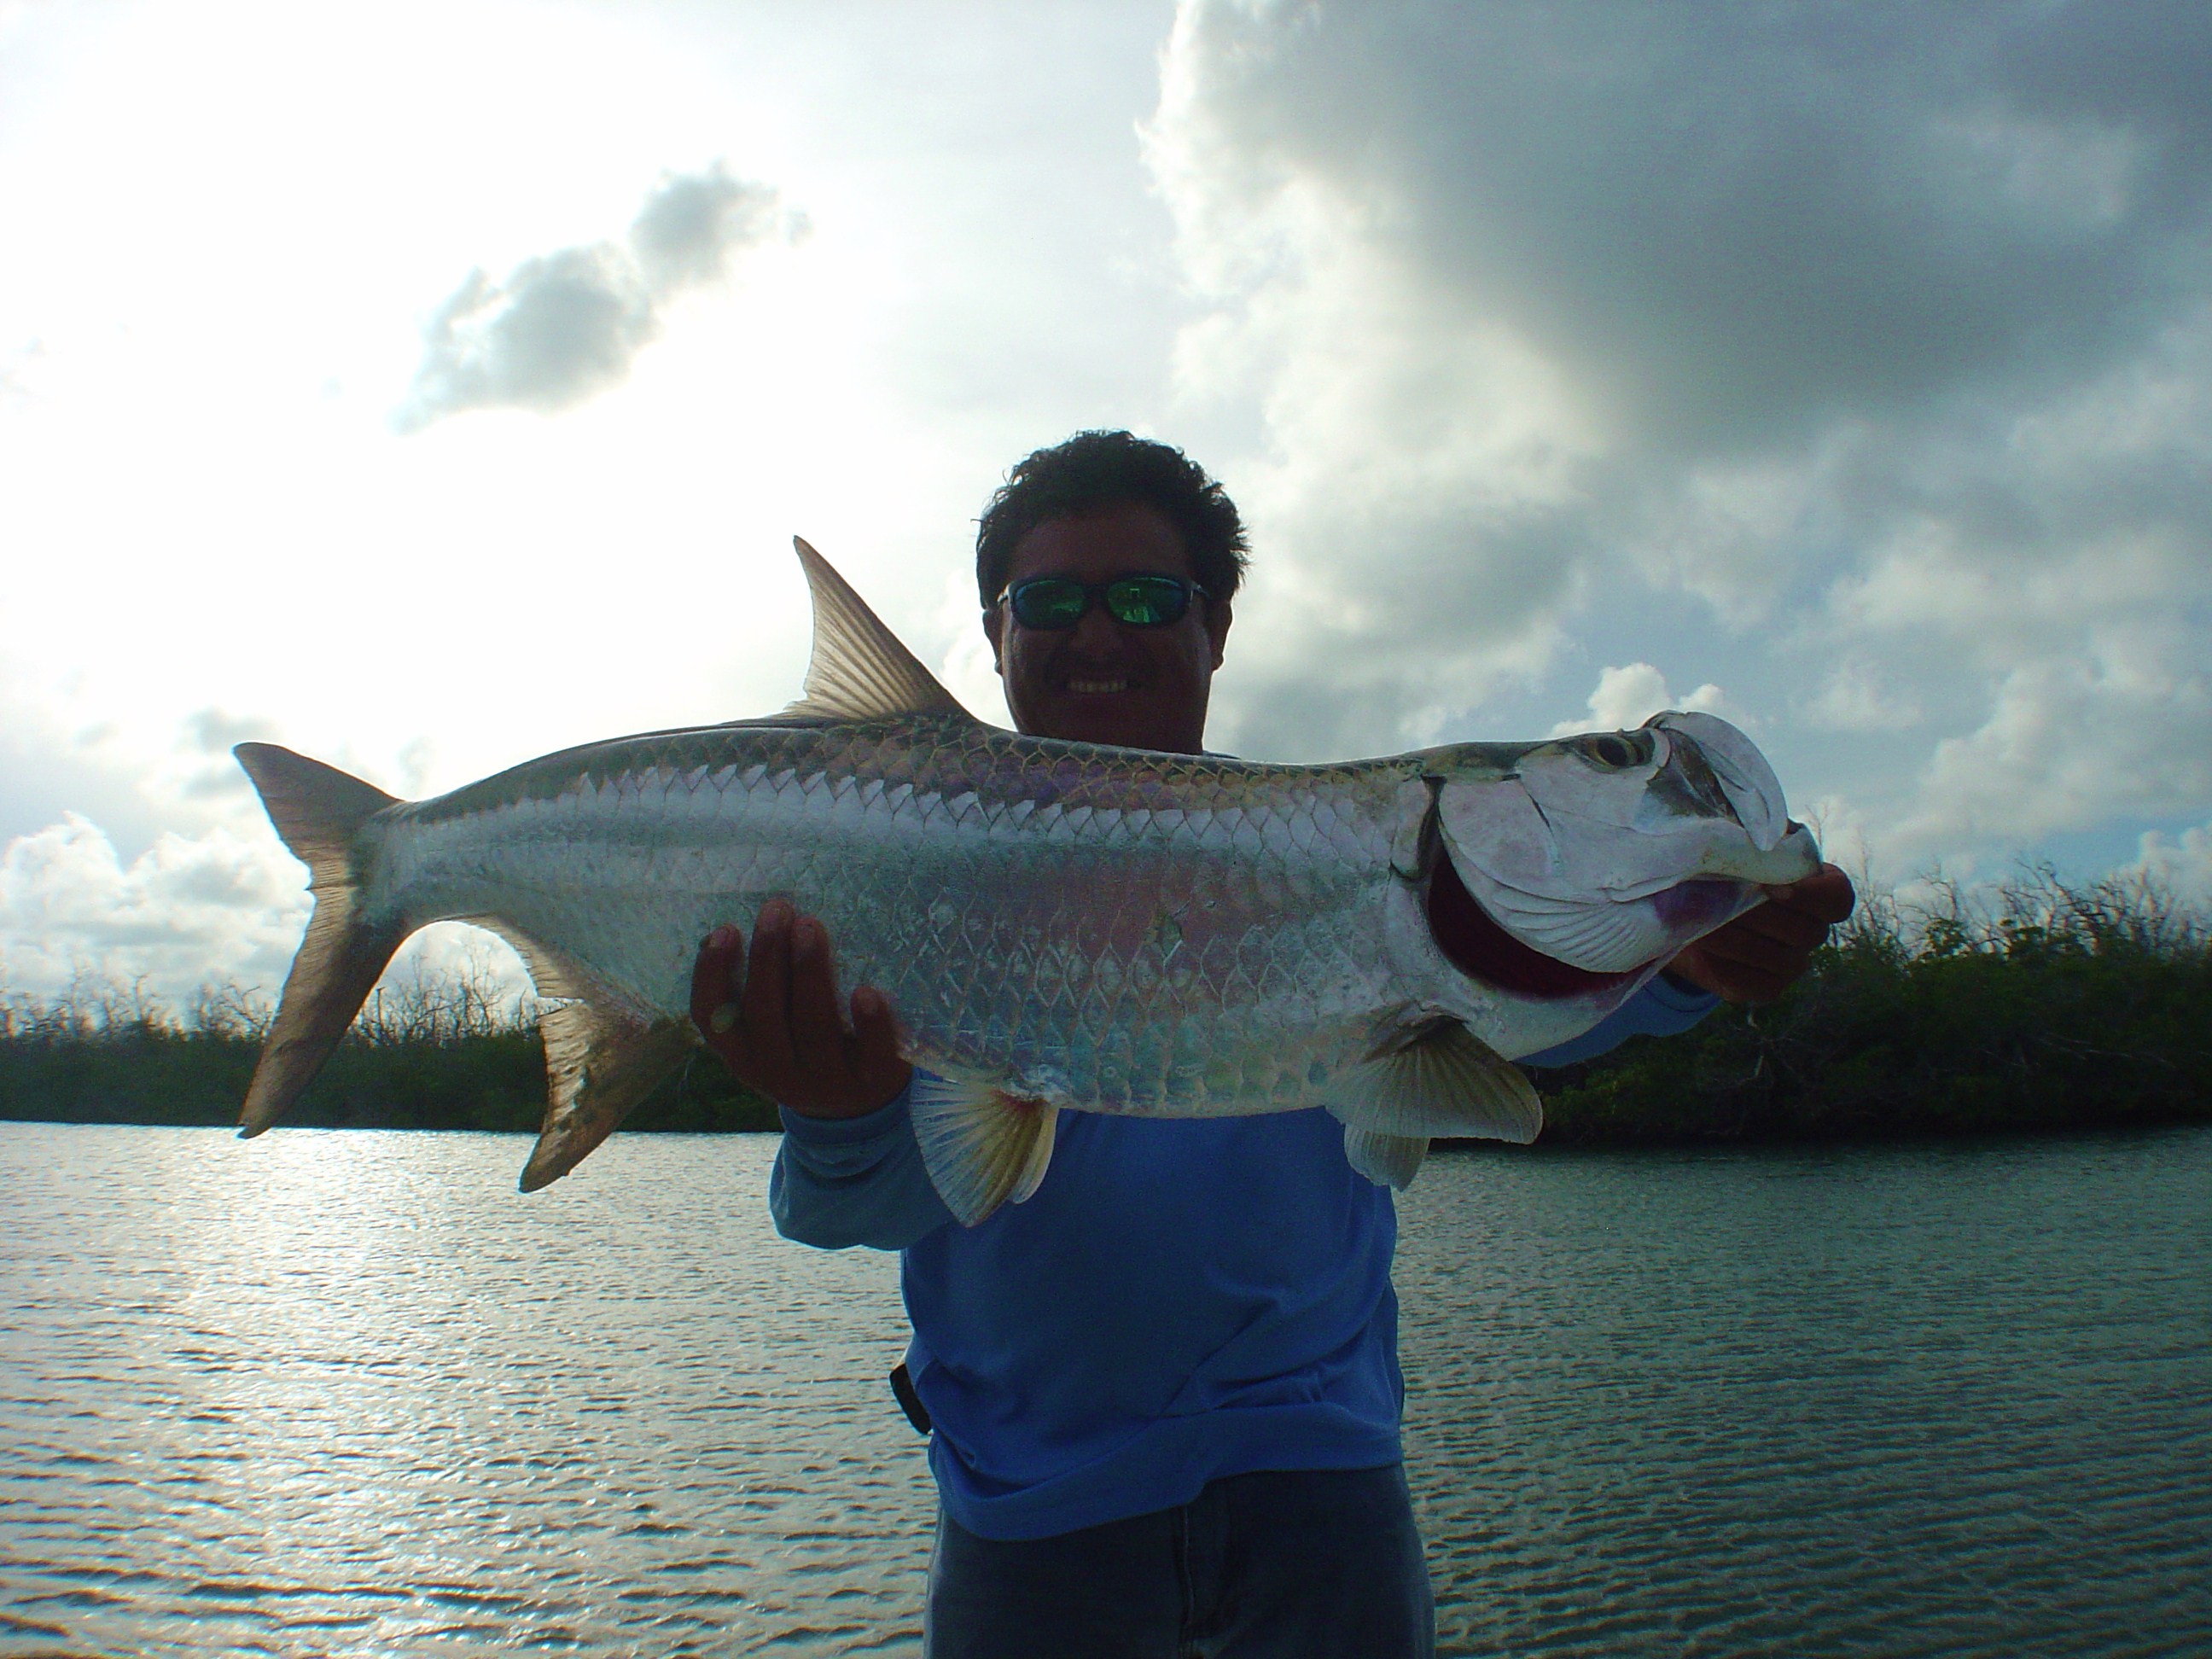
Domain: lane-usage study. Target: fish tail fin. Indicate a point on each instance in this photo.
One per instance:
(319, 810)
(983, 1146)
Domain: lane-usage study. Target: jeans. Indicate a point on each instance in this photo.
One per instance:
(1306, 1563)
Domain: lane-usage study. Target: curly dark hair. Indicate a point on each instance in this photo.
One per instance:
(1095, 470)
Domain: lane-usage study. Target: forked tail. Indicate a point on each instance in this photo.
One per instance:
(319, 810)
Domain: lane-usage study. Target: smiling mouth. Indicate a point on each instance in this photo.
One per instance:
(1097, 688)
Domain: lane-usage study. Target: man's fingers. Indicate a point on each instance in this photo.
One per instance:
(817, 1035)
(1771, 924)
(766, 1003)
(876, 1061)
(1783, 927)
(1730, 977)
(717, 975)
(1754, 951)
(1759, 955)
(1826, 895)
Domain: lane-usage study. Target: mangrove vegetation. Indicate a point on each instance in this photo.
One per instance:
(429, 1051)
(2035, 1004)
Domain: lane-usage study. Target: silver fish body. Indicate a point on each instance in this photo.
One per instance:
(1067, 925)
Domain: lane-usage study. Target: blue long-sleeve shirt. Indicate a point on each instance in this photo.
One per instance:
(1181, 1299)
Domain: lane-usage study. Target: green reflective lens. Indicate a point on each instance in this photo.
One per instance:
(1145, 601)
(1050, 603)
(1055, 602)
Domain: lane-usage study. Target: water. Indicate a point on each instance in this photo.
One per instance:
(1941, 1400)
(349, 1393)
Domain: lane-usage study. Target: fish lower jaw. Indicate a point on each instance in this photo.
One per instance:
(1794, 857)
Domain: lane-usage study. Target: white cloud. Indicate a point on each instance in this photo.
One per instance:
(19, 368)
(186, 910)
(188, 914)
(1626, 697)
(2182, 865)
(566, 325)
(1857, 698)
(2067, 746)
(1885, 340)
(693, 224)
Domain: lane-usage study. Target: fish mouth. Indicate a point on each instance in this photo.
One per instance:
(1481, 949)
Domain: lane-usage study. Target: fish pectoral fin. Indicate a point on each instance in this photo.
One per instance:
(1386, 1160)
(859, 669)
(598, 1065)
(1441, 1080)
(983, 1146)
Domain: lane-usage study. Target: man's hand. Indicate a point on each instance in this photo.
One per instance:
(1759, 955)
(772, 1017)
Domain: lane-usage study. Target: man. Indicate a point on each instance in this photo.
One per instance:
(1164, 1391)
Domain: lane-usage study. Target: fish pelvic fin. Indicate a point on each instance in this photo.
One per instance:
(598, 1066)
(983, 1146)
(319, 810)
(1440, 1079)
(1386, 1160)
(860, 670)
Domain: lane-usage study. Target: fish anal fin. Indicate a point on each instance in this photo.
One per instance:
(860, 670)
(598, 1066)
(1438, 1079)
(1386, 1160)
(983, 1146)
(553, 975)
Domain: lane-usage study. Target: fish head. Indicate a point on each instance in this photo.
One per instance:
(1577, 867)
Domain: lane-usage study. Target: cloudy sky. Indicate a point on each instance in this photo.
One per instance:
(427, 386)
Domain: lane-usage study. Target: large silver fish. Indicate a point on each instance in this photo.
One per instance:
(1059, 925)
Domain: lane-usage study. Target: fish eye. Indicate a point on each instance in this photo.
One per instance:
(1616, 751)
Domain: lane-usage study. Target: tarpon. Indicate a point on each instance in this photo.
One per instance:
(1058, 926)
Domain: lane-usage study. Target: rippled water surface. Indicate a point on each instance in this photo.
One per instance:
(351, 1394)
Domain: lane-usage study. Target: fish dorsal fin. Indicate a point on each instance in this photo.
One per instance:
(860, 671)
(1440, 1079)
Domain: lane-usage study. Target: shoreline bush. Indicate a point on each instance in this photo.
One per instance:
(2037, 1005)
(450, 1052)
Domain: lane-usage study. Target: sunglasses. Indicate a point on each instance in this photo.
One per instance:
(1054, 602)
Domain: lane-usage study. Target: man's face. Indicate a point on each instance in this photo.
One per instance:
(1103, 681)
